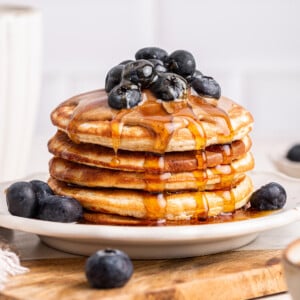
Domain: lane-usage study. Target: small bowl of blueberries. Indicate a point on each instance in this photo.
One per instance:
(289, 162)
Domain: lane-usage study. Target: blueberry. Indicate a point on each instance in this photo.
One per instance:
(21, 199)
(140, 72)
(125, 62)
(181, 62)
(294, 153)
(158, 65)
(151, 53)
(206, 86)
(269, 197)
(169, 86)
(196, 74)
(41, 189)
(113, 77)
(108, 268)
(125, 95)
(60, 209)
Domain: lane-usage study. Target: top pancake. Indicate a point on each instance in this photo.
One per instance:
(156, 126)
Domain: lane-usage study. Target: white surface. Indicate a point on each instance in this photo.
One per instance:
(161, 241)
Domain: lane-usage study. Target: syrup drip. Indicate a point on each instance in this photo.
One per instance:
(155, 206)
(155, 182)
(229, 200)
(213, 114)
(201, 159)
(88, 109)
(226, 151)
(153, 162)
(115, 162)
(202, 206)
(201, 178)
(116, 130)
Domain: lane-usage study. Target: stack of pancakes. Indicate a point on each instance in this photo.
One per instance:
(160, 160)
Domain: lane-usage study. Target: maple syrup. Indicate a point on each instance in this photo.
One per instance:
(162, 119)
(158, 116)
(238, 215)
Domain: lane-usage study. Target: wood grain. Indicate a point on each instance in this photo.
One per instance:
(233, 275)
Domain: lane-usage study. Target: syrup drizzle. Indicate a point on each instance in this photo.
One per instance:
(159, 118)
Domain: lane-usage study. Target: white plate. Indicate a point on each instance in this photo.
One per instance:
(142, 242)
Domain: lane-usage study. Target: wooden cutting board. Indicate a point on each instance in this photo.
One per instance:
(233, 275)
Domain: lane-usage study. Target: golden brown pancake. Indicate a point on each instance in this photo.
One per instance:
(169, 206)
(221, 176)
(156, 126)
(174, 160)
(95, 155)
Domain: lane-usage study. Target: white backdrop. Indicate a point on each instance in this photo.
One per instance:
(251, 47)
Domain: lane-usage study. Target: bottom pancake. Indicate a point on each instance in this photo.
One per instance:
(169, 206)
(244, 213)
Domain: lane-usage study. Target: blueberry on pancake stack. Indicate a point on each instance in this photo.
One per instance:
(158, 144)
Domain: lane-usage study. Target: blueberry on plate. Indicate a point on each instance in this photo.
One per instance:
(21, 199)
(151, 53)
(60, 209)
(108, 268)
(269, 197)
(125, 95)
(113, 77)
(181, 62)
(294, 153)
(169, 86)
(140, 72)
(41, 189)
(158, 65)
(206, 86)
(196, 74)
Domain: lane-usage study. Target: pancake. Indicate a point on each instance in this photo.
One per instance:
(95, 155)
(155, 126)
(221, 176)
(169, 206)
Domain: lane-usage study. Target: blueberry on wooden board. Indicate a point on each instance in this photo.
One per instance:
(109, 268)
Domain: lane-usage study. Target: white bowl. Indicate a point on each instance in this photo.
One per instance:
(286, 166)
